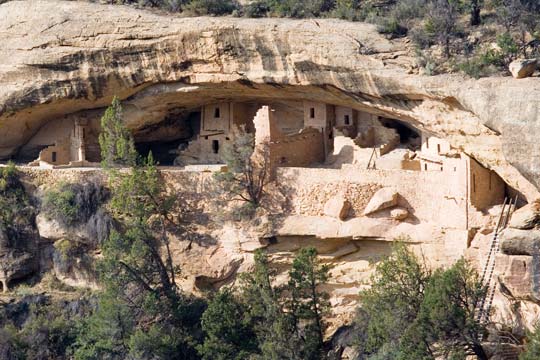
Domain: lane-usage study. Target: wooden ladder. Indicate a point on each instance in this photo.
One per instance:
(489, 267)
(372, 158)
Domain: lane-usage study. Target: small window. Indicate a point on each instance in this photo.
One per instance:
(330, 135)
(54, 156)
(206, 138)
(312, 113)
(217, 113)
(441, 168)
(215, 146)
(227, 139)
(427, 143)
(347, 120)
(83, 133)
(425, 167)
(439, 148)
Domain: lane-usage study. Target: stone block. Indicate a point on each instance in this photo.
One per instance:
(520, 242)
(382, 199)
(337, 207)
(523, 68)
(526, 217)
(399, 214)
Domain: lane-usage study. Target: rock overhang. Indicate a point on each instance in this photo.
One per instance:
(82, 55)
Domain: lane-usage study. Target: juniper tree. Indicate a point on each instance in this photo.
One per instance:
(532, 349)
(228, 329)
(116, 142)
(389, 308)
(412, 313)
(248, 172)
(137, 270)
(448, 312)
(273, 325)
(308, 303)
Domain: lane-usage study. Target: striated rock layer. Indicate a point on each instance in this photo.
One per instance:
(61, 58)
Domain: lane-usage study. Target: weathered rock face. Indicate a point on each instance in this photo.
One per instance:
(61, 58)
(523, 68)
(526, 217)
(18, 254)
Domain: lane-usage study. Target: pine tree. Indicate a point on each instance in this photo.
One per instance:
(116, 142)
(229, 332)
(274, 327)
(308, 303)
(448, 312)
(247, 176)
(532, 351)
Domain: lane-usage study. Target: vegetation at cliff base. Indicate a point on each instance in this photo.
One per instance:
(411, 312)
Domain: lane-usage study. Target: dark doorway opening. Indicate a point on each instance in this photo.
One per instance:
(406, 133)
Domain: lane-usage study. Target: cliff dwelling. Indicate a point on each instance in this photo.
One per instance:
(436, 190)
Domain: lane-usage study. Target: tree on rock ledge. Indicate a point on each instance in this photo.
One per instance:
(116, 143)
(247, 175)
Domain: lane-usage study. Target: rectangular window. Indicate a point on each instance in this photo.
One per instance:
(427, 143)
(54, 156)
(347, 120)
(215, 146)
(312, 113)
(439, 148)
(217, 113)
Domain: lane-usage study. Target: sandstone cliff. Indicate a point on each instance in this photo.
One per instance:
(63, 58)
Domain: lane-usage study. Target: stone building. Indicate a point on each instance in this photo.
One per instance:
(298, 134)
(69, 150)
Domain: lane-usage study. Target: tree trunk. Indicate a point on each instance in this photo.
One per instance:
(475, 13)
(479, 352)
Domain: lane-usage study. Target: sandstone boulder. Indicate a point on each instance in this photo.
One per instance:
(399, 214)
(337, 207)
(49, 228)
(526, 217)
(523, 68)
(520, 242)
(514, 274)
(382, 199)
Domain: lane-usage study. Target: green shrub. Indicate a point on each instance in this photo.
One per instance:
(15, 210)
(256, 9)
(60, 203)
(391, 26)
(211, 7)
(472, 67)
(347, 10)
(509, 48)
(74, 203)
